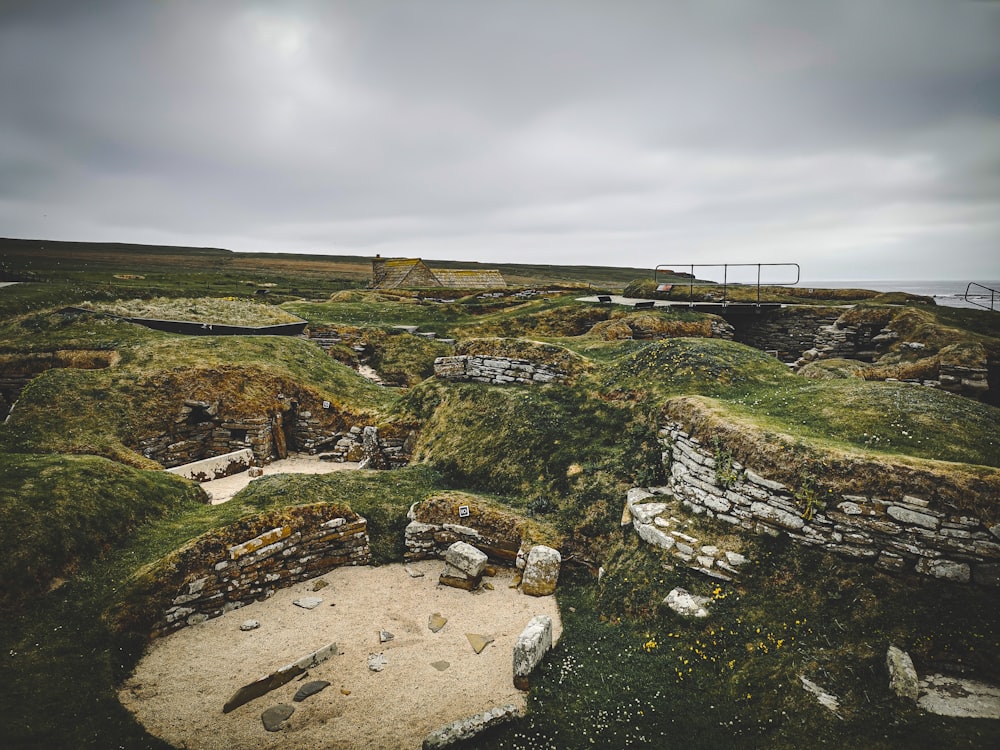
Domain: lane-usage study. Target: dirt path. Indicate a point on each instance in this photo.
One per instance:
(180, 686)
(221, 490)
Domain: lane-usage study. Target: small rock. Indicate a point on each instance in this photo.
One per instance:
(413, 572)
(377, 662)
(275, 717)
(320, 584)
(827, 700)
(308, 602)
(686, 604)
(487, 585)
(384, 636)
(310, 688)
(735, 559)
(435, 622)
(345, 691)
(440, 666)
(479, 642)
(247, 625)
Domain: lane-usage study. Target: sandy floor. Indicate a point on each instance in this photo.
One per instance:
(180, 686)
(221, 490)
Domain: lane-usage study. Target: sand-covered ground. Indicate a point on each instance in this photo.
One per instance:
(180, 686)
(221, 490)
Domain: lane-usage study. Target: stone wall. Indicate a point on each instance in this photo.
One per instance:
(789, 331)
(437, 523)
(229, 568)
(897, 532)
(496, 370)
(199, 432)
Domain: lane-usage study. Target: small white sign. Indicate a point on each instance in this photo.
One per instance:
(326, 404)
(463, 511)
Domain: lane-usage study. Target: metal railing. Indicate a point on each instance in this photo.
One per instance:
(994, 296)
(725, 276)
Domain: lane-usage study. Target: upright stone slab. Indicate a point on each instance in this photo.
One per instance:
(466, 558)
(541, 571)
(903, 680)
(533, 643)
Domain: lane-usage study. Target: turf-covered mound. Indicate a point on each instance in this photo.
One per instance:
(57, 512)
(556, 357)
(111, 411)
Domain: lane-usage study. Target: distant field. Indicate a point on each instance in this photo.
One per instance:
(310, 275)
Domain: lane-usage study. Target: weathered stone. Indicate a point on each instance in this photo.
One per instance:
(686, 604)
(533, 643)
(541, 571)
(440, 666)
(949, 570)
(319, 585)
(310, 688)
(248, 625)
(735, 559)
(905, 515)
(275, 717)
(264, 540)
(902, 675)
(308, 602)
(279, 677)
(466, 558)
(384, 636)
(646, 512)
(774, 515)
(377, 662)
(479, 641)
(653, 535)
(435, 622)
(849, 508)
(468, 728)
(960, 697)
(827, 700)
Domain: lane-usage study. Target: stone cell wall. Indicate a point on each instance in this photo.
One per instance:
(218, 574)
(788, 331)
(900, 533)
(496, 370)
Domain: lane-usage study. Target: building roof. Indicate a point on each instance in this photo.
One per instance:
(487, 279)
(401, 273)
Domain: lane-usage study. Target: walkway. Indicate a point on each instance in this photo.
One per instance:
(222, 490)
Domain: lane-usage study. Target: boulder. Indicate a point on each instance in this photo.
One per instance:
(533, 643)
(903, 679)
(541, 571)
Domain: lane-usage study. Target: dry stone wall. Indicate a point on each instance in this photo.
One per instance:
(228, 569)
(496, 370)
(899, 533)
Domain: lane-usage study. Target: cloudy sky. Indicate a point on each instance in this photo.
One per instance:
(859, 139)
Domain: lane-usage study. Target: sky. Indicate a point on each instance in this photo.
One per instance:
(860, 140)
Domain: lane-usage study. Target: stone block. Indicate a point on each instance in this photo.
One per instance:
(468, 728)
(903, 679)
(912, 517)
(533, 643)
(770, 514)
(948, 570)
(466, 558)
(541, 571)
(686, 604)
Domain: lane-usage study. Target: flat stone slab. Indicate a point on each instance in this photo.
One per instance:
(413, 572)
(479, 642)
(956, 696)
(469, 727)
(440, 666)
(435, 622)
(308, 602)
(377, 662)
(686, 604)
(279, 677)
(310, 688)
(248, 625)
(384, 636)
(275, 717)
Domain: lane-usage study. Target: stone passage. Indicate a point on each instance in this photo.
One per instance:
(898, 533)
(496, 370)
(217, 574)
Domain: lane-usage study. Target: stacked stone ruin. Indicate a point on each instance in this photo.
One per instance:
(495, 370)
(899, 534)
(221, 578)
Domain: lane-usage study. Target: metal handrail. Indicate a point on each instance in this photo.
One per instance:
(994, 296)
(725, 275)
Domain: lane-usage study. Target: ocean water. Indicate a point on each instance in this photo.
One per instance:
(950, 293)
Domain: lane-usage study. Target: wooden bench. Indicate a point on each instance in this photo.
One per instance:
(644, 305)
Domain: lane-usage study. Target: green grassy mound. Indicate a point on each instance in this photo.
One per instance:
(107, 412)
(227, 310)
(59, 512)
